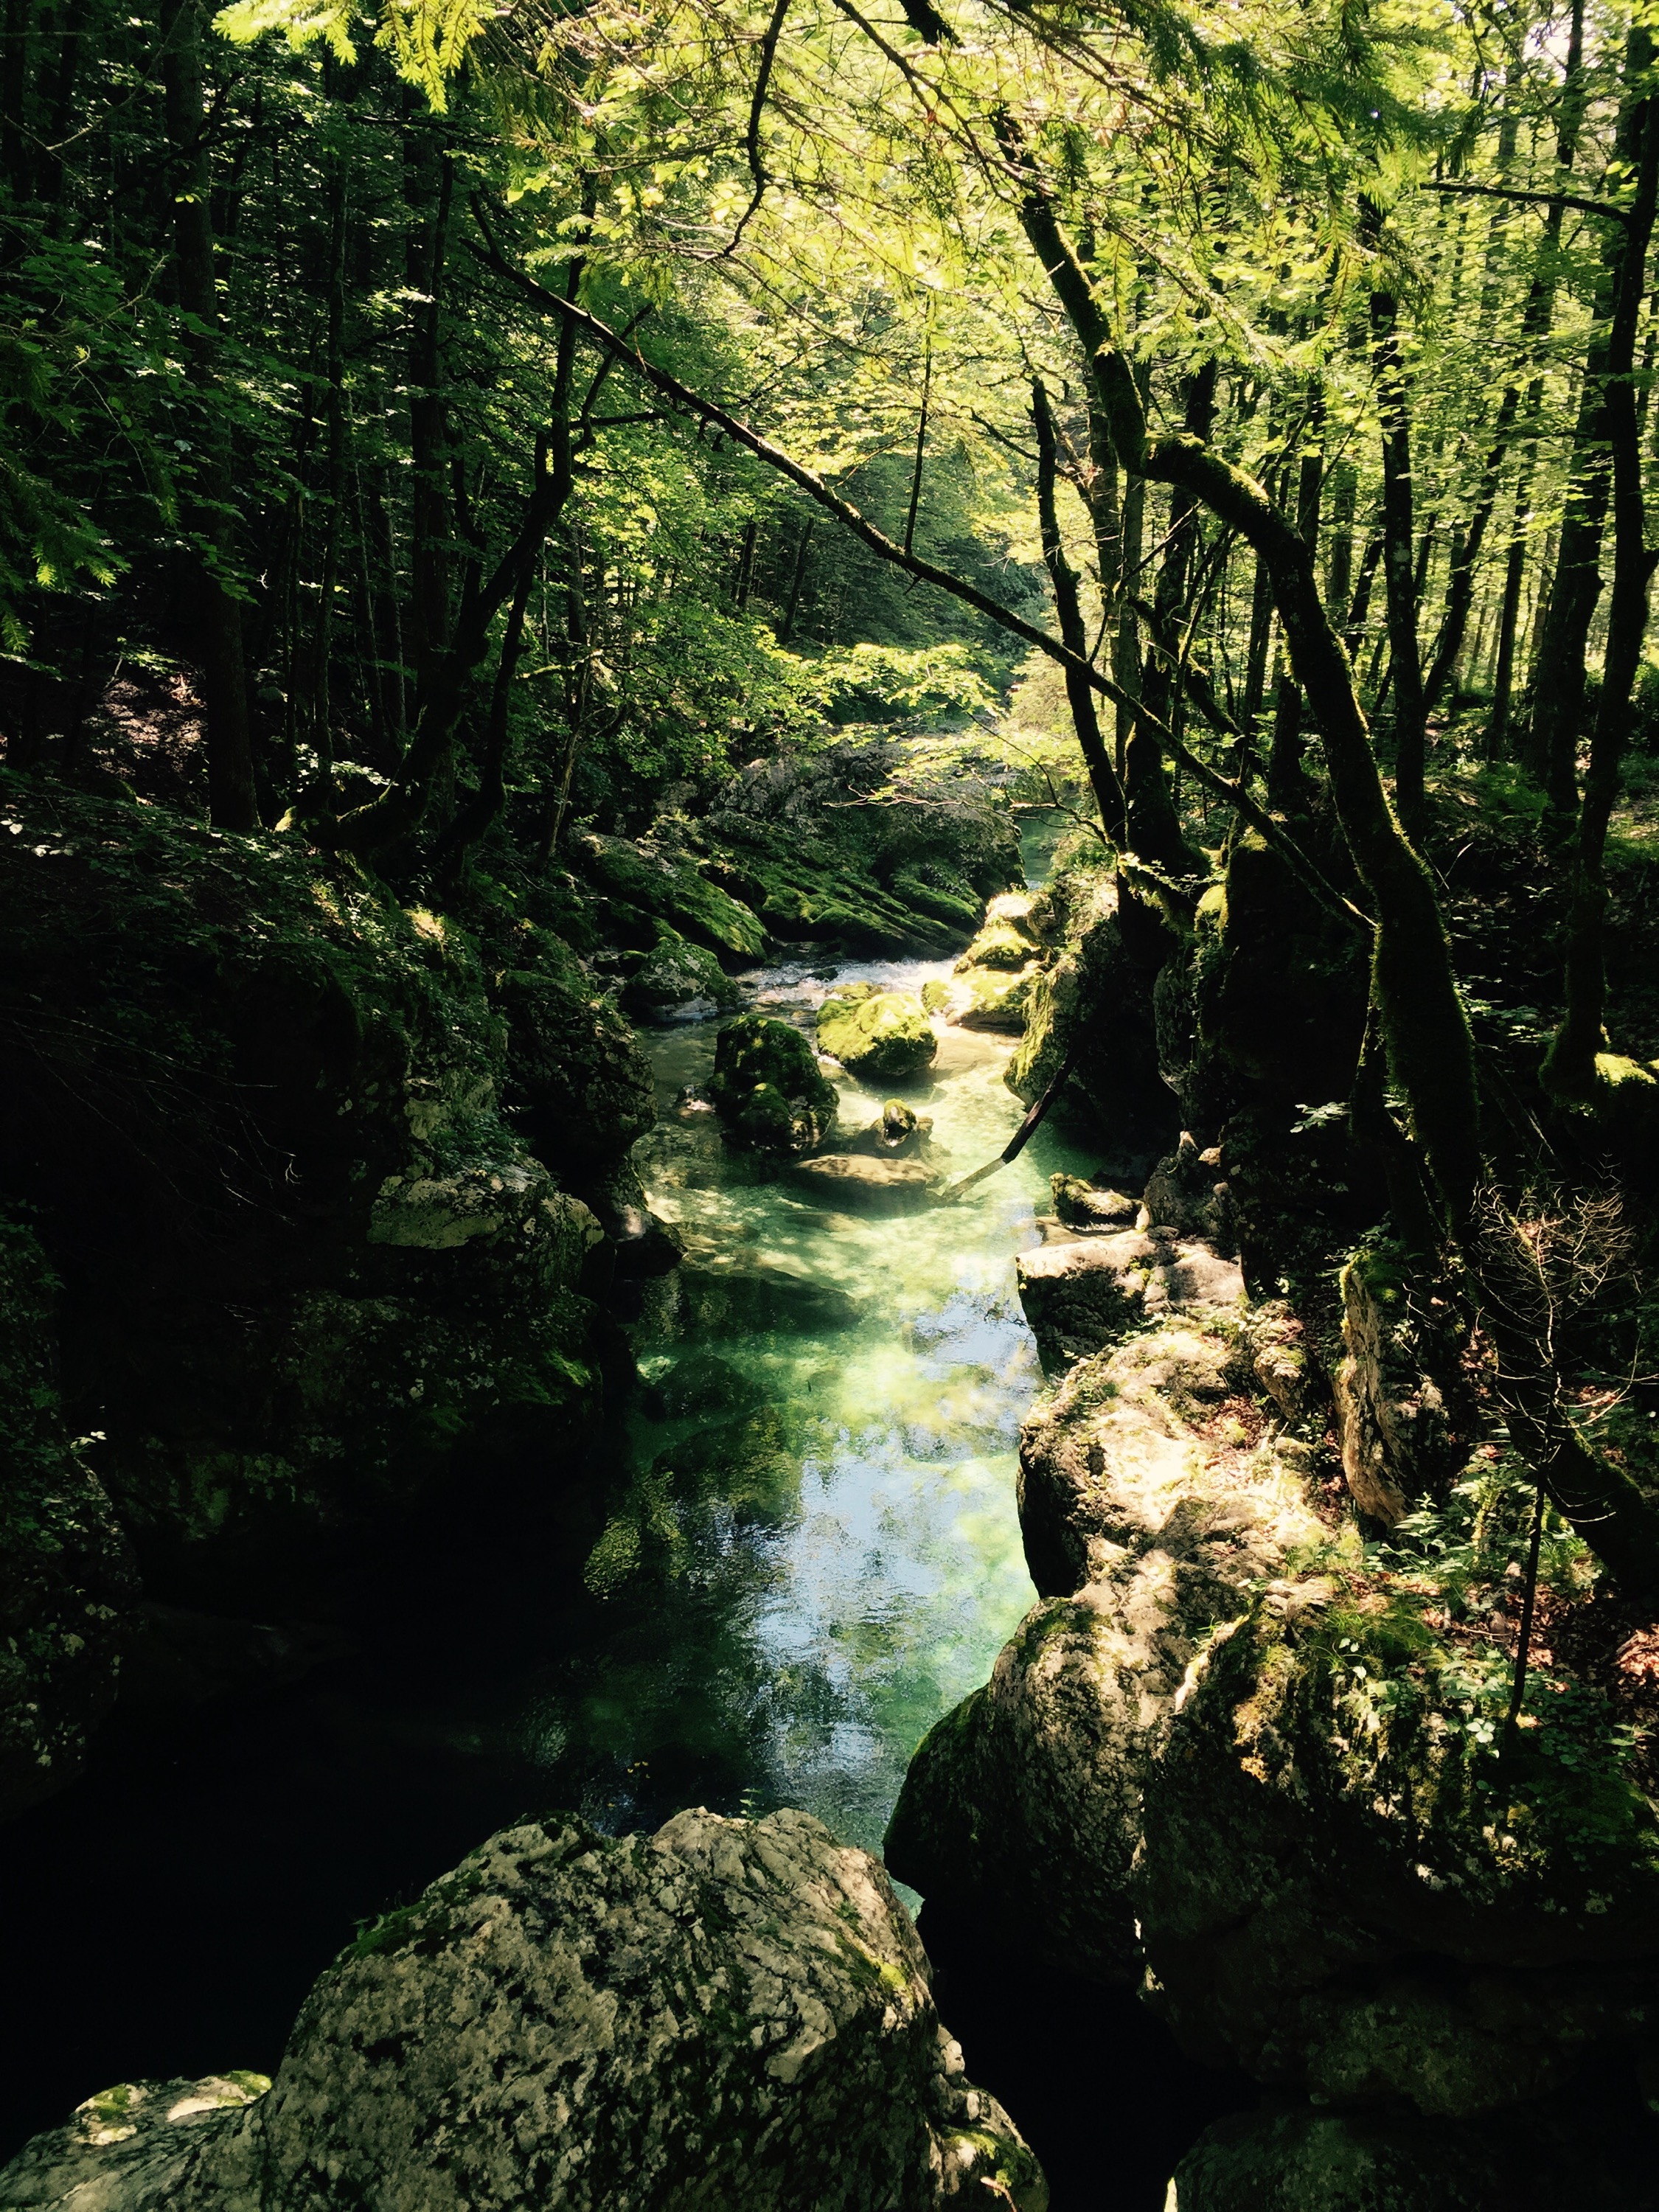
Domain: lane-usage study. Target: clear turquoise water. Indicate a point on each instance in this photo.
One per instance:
(817, 1559)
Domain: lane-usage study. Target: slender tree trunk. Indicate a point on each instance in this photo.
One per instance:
(797, 582)
(1154, 826)
(1571, 1066)
(1079, 692)
(1399, 570)
(429, 200)
(1289, 791)
(231, 798)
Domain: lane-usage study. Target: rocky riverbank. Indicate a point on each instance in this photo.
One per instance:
(1247, 1753)
(727, 2012)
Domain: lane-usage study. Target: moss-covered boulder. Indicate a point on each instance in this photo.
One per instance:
(674, 891)
(574, 1075)
(727, 2012)
(994, 976)
(680, 982)
(879, 1037)
(68, 1588)
(767, 1088)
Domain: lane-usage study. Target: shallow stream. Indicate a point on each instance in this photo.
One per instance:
(812, 1552)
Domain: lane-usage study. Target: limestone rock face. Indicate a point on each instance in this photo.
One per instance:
(1145, 1507)
(1080, 1295)
(767, 1088)
(727, 2012)
(879, 1037)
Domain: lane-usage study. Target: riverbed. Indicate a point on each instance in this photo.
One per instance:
(811, 1552)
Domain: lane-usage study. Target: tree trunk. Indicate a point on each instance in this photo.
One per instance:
(1079, 692)
(1571, 1065)
(1399, 569)
(231, 799)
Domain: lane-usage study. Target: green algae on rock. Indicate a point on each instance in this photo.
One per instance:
(727, 2012)
(878, 1036)
(768, 1087)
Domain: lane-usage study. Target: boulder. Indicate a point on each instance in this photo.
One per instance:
(727, 2012)
(901, 1127)
(1082, 1294)
(671, 889)
(1150, 1497)
(877, 1037)
(1090, 1207)
(994, 998)
(767, 1088)
(575, 1075)
(1372, 1914)
(888, 1185)
(1006, 938)
(680, 982)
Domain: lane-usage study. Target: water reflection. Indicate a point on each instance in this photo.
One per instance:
(818, 1552)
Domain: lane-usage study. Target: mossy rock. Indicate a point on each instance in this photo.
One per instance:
(1006, 939)
(680, 981)
(878, 1035)
(995, 999)
(767, 1088)
(575, 1072)
(674, 891)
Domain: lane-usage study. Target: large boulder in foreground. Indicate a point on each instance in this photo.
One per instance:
(878, 1036)
(767, 1088)
(726, 2014)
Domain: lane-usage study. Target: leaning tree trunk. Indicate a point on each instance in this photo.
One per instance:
(231, 799)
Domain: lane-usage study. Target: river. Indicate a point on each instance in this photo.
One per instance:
(812, 1552)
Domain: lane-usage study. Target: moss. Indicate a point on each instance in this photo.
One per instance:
(879, 1037)
(767, 1088)
(675, 893)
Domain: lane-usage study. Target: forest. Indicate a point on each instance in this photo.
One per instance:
(830, 959)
